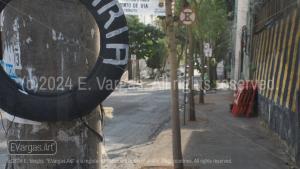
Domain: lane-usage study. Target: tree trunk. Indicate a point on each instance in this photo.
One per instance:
(191, 77)
(212, 74)
(225, 71)
(201, 69)
(138, 73)
(202, 87)
(54, 38)
(176, 134)
(180, 54)
(152, 76)
(130, 76)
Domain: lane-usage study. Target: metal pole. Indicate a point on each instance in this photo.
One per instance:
(185, 79)
(191, 76)
(203, 61)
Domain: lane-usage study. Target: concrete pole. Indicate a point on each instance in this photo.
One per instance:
(241, 12)
(55, 38)
(176, 133)
(192, 115)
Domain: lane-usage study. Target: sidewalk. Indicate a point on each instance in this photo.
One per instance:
(219, 141)
(3, 148)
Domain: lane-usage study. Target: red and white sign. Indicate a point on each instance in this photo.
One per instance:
(187, 16)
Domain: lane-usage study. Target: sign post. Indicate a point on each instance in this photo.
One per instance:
(188, 17)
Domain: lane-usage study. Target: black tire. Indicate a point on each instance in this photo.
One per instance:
(75, 103)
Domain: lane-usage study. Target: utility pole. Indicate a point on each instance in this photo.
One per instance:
(192, 114)
(56, 39)
(185, 78)
(176, 135)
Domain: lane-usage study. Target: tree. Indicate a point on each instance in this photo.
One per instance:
(212, 27)
(176, 133)
(158, 57)
(145, 42)
(136, 42)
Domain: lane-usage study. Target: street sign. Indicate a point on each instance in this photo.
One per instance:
(206, 46)
(208, 53)
(143, 7)
(133, 57)
(207, 50)
(187, 16)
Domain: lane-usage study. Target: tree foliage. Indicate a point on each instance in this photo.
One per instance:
(146, 42)
(158, 58)
(211, 20)
(211, 26)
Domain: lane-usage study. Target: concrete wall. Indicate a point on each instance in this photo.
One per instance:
(276, 53)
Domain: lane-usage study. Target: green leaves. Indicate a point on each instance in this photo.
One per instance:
(156, 61)
(211, 19)
(146, 42)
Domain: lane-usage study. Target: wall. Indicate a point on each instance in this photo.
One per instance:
(276, 56)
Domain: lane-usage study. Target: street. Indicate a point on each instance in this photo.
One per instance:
(139, 115)
(215, 140)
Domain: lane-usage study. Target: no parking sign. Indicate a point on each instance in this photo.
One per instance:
(187, 16)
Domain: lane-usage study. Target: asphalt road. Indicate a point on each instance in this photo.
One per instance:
(139, 115)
